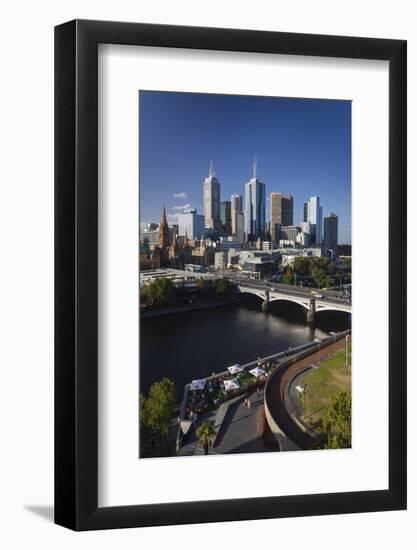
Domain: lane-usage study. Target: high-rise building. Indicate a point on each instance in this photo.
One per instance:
(305, 212)
(236, 206)
(212, 201)
(282, 208)
(226, 217)
(254, 207)
(330, 231)
(305, 227)
(191, 224)
(315, 215)
(240, 227)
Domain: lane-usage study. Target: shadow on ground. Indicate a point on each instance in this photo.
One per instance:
(45, 512)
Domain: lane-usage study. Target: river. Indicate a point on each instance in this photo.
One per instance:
(193, 344)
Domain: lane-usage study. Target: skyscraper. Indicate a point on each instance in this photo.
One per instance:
(282, 208)
(236, 207)
(315, 215)
(330, 231)
(226, 217)
(254, 207)
(305, 212)
(240, 227)
(212, 201)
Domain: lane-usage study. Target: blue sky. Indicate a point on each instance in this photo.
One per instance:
(303, 147)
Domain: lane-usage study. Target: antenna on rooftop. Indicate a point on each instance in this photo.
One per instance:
(255, 165)
(211, 169)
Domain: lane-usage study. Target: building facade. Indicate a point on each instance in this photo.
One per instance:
(282, 213)
(191, 224)
(212, 201)
(226, 217)
(289, 233)
(236, 207)
(315, 217)
(254, 208)
(305, 212)
(240, 227)
(330, 235)
(220, 259)
(150, 236)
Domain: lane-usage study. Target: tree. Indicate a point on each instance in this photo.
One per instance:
(204, 286)
(159, 292)
(287, 277)
(302, 265)
(146, 436)
(347, 262)
(158, 408)
(337, 422)
(223, 286)
(320, 277)
(205, 434)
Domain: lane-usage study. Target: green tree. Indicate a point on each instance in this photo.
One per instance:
(337, 422)
(347, 262)
(223, 286)
(302, 265)
(320, 277)
(159, 292)
(204, 286)
(146, 435)
(205, 434)
(158, 408)
(287, 277)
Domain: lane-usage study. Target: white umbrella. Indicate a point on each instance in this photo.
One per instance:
(232, 384)
(198, 384)
(234, 369)
(257, 371)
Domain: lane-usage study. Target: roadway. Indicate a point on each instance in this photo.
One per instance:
(320, 296)
(276, 390)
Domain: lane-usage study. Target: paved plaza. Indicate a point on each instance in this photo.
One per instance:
(240, 431)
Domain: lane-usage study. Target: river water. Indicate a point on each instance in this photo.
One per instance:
(193, 344)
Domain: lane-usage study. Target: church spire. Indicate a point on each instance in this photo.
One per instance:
(164, 216)
(163, 230)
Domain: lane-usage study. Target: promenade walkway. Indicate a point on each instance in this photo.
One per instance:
(240, 431)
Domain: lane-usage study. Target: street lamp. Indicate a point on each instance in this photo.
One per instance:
(305, 399)
(319, 343)
(302, 389)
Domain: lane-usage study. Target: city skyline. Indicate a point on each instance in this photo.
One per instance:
(329, 118)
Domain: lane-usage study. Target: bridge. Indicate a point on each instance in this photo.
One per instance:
(326, 301)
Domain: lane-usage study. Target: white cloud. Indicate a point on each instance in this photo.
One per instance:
(173, 218)
(182, 207)
(182, 195)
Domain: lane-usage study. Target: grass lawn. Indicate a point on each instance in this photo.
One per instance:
(331, 378)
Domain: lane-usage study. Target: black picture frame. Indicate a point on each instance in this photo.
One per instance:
(76, 272)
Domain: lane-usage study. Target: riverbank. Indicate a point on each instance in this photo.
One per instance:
(190, 344)
(197, 304)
